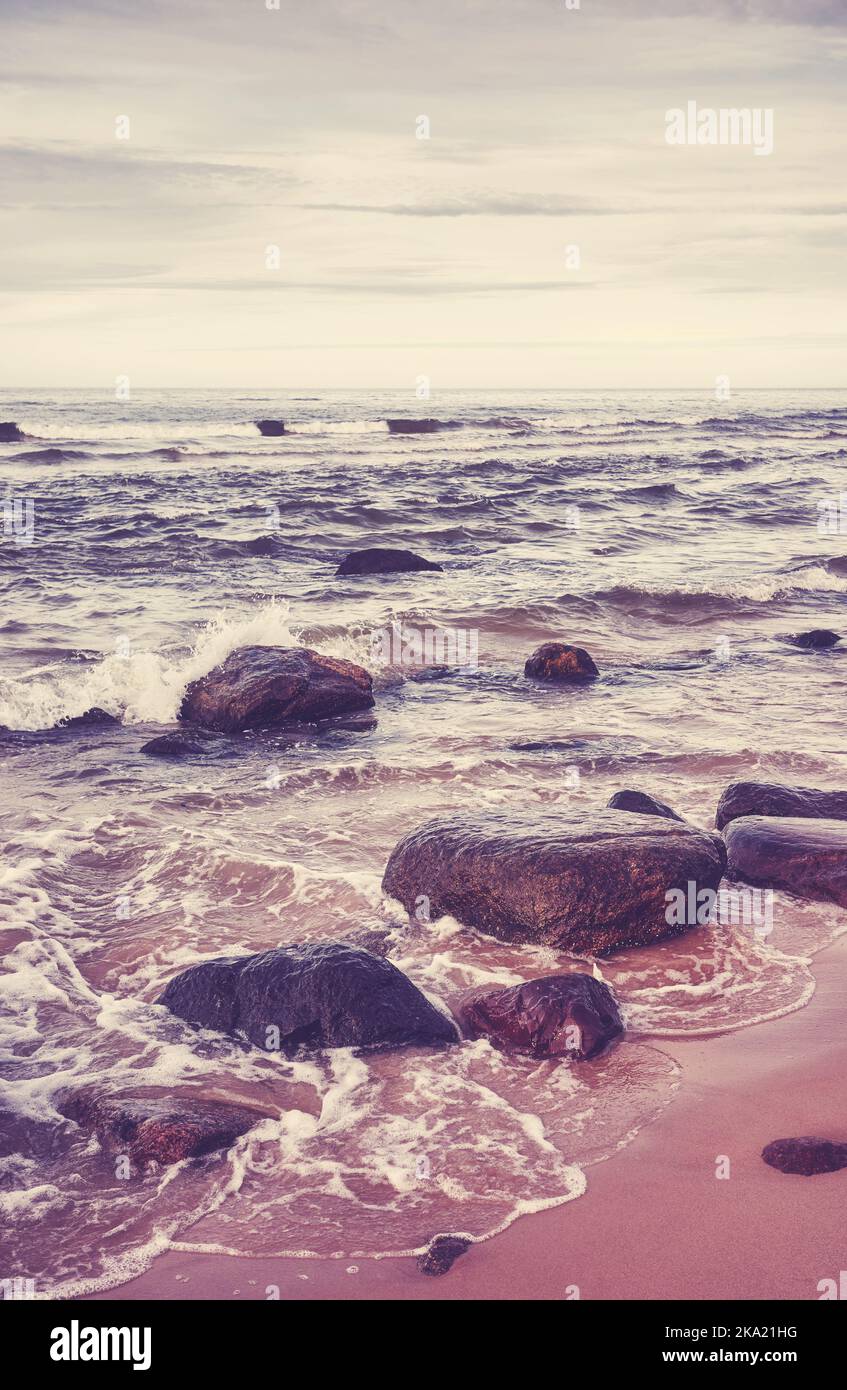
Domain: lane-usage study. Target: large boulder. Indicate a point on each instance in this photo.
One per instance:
(262, 687)
(572, 1016)
(377, 561)
(772, 799)
(162, 1130)
(582, 882)
(327, 995)
(556, 661)
(805, 857)
(806, 1155)
(642, 803)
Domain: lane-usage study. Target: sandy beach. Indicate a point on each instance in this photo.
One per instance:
(655, 1222)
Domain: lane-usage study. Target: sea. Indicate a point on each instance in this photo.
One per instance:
(679, 538)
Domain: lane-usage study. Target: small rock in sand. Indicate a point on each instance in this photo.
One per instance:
(442, 1253)
(806, 1156)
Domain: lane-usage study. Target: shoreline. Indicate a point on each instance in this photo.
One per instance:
(655, 1222)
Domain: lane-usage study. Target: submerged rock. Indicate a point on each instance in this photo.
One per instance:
(327, 995)
(420, 426)
(642, 803)
(262, 687)
(378, 561)
(816, 640)
(30, 1136)
(571, 1016)
(271, 427)
(804, 857)
(172, 746)
(90, 717)
(442, 1253)
(806, 1156)
(772, 799)
(593, 882)
(161, 1130)
(556, 661)
(9, 432)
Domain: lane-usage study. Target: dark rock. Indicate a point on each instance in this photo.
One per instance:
(421, 426)
(172, 746)
(327, 995)
(642, 803)
(261, 687)
(9, 432)
(571, 1016)
(592, 882)
(163, 1130)
(816, 640)
(772, 799)
(89, 718)
(378, 561)
(805, 857)
(442, 1253)
(556, 661)
(837, 564)
(806, 1156)
(271, 427)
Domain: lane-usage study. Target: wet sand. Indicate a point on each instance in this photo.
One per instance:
(655, 1223)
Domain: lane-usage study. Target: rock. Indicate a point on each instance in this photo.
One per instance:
(421, 426)
(805, 857)
(582, 882)
(262, 687)
(645, 805)
(9, 432)
(805, 1156)
(571, 1016)
(442, 1253)
(816, 640)
(172, 746)
(556, 661)
(92, 716)
(772, 799)
(378, 561)
(271, 427)
(162, 1130)
(326, 995)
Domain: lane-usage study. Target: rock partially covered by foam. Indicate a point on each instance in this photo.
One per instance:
(773, 799)
(380, 561)
(572, 1016)
(162, 1130)
(441, 1254)
(311, 997)
(593, 882)
(88, 719)
(272, 428)
(805, 857)
(556, 661)
(263, 687)
(9, 432)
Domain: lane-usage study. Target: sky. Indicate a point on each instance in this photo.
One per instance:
(545, 234)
